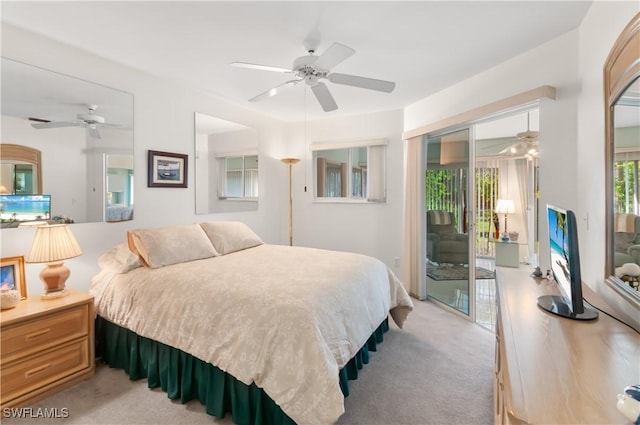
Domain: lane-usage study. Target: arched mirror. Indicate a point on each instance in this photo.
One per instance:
(622, 168)
(20, 170)
(226, 166)
(84, 133)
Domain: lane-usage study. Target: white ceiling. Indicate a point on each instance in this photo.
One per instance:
(424, 46)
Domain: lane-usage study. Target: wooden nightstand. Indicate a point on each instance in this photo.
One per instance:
(45, 346)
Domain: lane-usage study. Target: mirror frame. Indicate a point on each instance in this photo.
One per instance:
(620, 70)
(13, 152)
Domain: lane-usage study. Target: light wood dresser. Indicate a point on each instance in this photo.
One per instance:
(552, 370)
(46, 345)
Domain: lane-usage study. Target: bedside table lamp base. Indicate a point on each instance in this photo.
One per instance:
(54, 276)
(54, 295)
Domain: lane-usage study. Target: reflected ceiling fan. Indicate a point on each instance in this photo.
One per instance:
(312, 69)
(89, 120)
(527, 143)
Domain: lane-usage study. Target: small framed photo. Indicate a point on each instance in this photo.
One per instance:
(167, 169)
(12, 275)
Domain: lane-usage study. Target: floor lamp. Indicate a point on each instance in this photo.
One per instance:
(290, 162)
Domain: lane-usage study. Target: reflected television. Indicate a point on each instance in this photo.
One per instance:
(25, 207)
(565, 265)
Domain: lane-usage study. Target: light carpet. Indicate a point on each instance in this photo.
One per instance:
(436, 371)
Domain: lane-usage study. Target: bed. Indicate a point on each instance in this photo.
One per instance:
(118, 212)
(277, 325)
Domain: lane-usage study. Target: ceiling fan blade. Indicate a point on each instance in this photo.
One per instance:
(54, 125)
(323, 95)
(261, 67)
(528, 135)
(362, 82)
(273, 91)
(93, 131)
(38, 120)
(497, 143)
(335, 54)
(509, 149)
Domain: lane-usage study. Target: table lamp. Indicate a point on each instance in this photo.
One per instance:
(52, 244)
(505, 206)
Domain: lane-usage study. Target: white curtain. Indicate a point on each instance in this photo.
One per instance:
(251, 183)
(376, 173)
(413, 253)
(522, 175)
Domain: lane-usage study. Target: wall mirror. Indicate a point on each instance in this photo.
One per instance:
(622, 168)
(226, 166)
(84, 133)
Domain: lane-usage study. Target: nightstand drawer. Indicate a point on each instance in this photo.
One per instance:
(38, 371)
(44, 332)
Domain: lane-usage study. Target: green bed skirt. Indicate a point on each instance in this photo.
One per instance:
(185, 378)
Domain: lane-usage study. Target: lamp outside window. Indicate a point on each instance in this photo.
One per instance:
(52, 244)
(505, 206)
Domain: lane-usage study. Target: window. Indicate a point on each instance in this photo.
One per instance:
(626, 182)
(238, 177)
(351, 171)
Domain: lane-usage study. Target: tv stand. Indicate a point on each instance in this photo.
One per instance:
(554, 371)
(557, 305)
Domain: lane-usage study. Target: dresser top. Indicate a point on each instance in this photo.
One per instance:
(561, 370)
(34, 306)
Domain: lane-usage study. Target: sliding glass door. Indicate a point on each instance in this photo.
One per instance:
(471, 172)
(450, 248)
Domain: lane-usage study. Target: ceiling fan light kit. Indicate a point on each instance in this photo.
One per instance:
(311, 68)
(526, 145)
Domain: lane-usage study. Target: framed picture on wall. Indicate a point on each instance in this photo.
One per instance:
(12, 275)
(167, 169)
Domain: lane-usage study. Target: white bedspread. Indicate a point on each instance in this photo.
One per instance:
(286, 318)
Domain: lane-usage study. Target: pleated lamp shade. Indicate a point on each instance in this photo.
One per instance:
(52, 244)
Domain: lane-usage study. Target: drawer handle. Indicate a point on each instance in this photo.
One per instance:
(37, 334)
(30, 373)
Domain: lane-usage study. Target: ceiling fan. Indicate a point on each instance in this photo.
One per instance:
(89, 120)
(527, 143)
(311, 69)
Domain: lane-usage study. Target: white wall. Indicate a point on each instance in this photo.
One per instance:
(600, 28)
(371, 229)
(163, 120)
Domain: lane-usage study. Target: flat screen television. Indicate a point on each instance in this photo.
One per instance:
(565, 266)
(25, 207)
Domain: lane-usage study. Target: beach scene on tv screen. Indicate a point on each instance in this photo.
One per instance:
(25, 207)
(559, 242)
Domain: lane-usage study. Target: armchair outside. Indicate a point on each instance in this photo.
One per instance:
(444, 243)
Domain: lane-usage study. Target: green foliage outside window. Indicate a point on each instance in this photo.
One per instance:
(626, 184)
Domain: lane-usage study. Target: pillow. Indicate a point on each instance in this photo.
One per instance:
(119, 259)
(170, 245)
(230, 236)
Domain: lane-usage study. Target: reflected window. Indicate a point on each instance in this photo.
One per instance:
(238, 177)
(351, 173)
